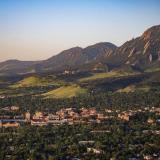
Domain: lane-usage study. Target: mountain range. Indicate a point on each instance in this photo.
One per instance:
(141, 53)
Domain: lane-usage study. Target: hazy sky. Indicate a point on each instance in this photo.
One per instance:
(38, 29)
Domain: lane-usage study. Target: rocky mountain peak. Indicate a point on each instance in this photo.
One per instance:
(151, 33)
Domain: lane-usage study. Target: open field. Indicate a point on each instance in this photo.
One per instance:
(153, 69)
(133, 88)
(106, 75)
(36, 81)
(66, 92)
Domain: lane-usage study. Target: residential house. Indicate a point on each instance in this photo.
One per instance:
(14, 108)
(9, 123)
(125, 115)
(150, 121)
(2, 96)
(94, 150)
(38, 122)
(86, 142)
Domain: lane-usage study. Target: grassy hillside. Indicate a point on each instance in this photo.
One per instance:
(96, 76)
(36, 81)
(133, 88)
(66, 92)
(153, 69)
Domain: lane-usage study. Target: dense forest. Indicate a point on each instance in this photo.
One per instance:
(101, 101)
(123, 141)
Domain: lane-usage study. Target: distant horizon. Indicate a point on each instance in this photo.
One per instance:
(77, 46)
(37, 30)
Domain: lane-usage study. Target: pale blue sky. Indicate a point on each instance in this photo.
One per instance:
(38, 29)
